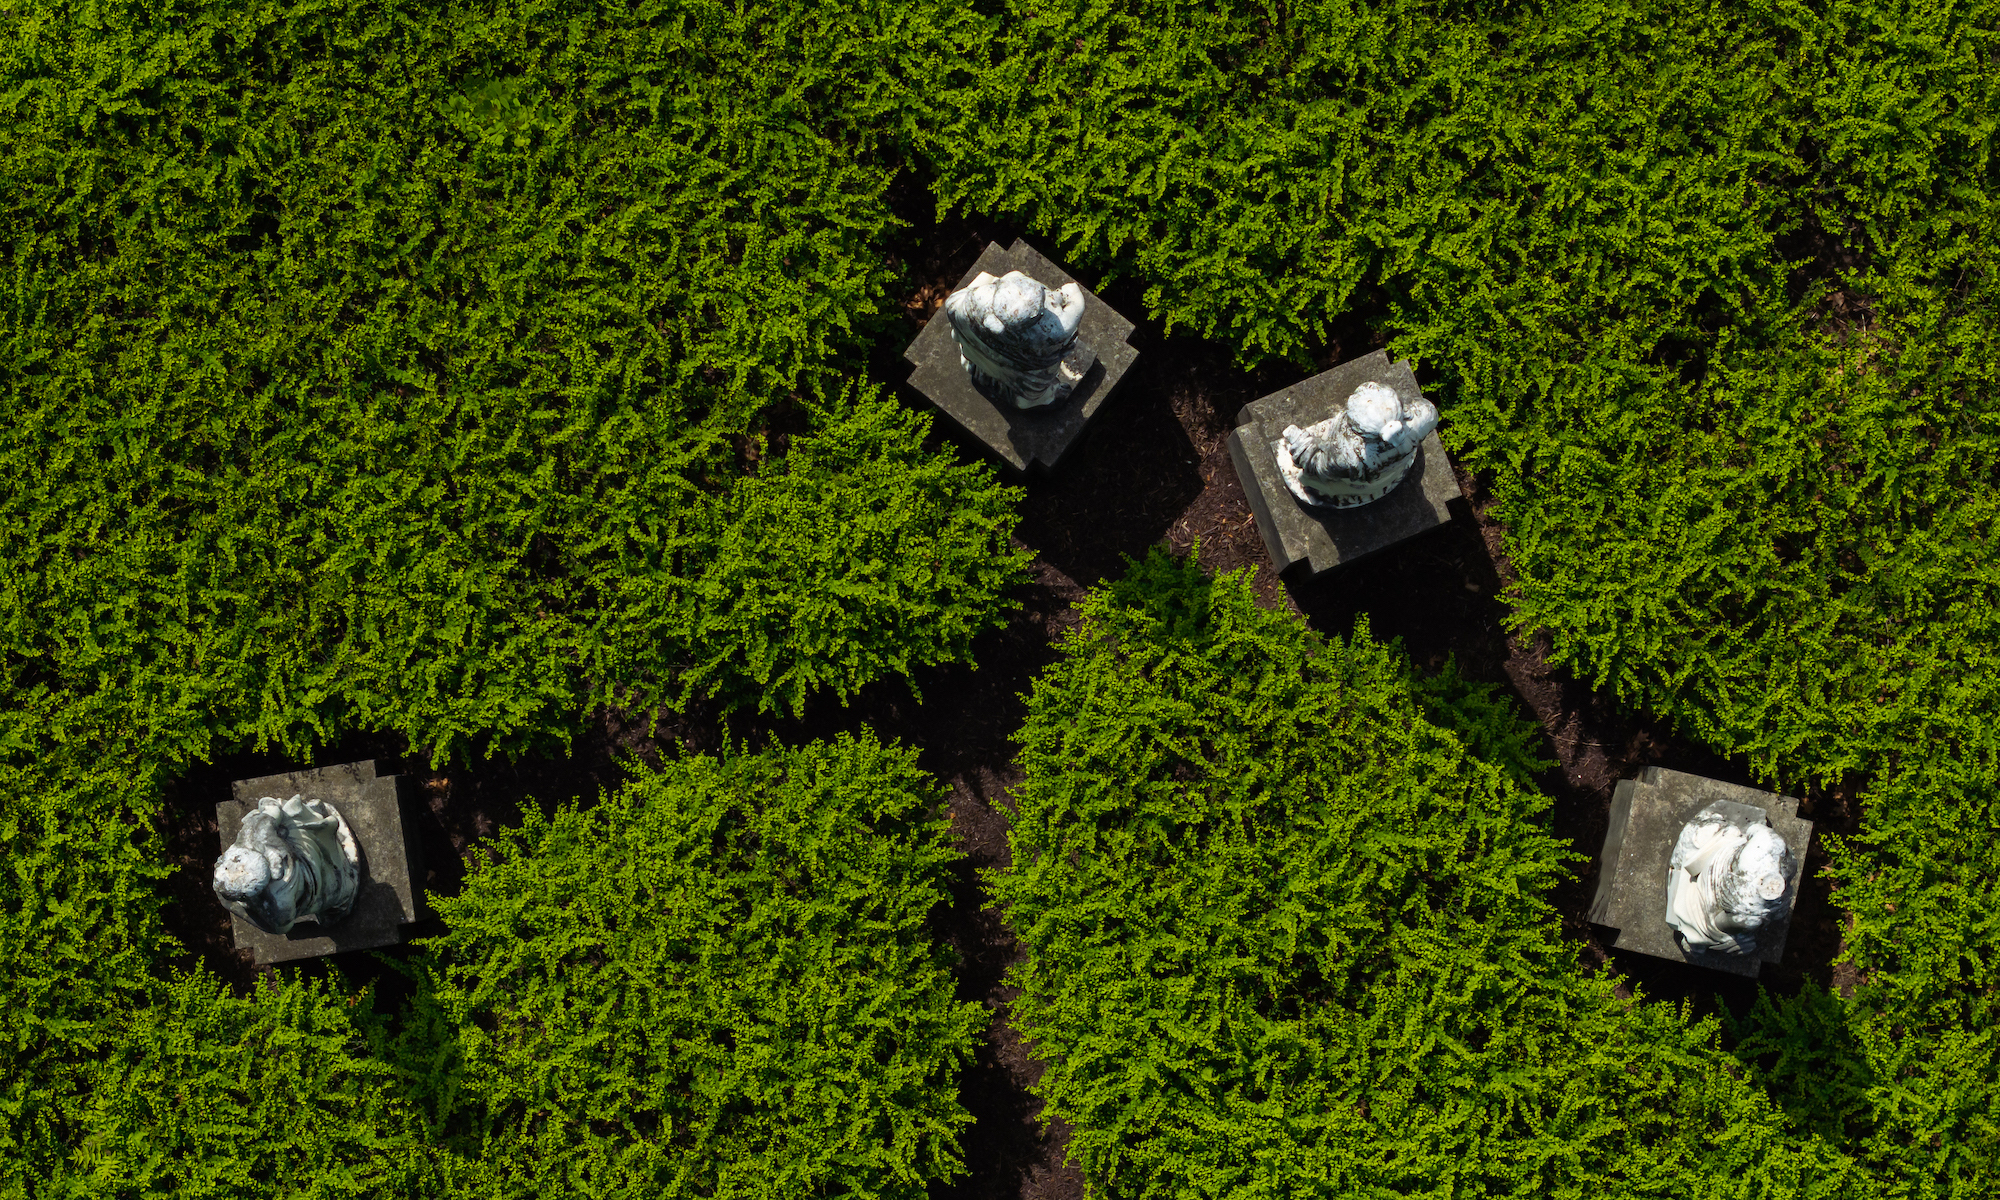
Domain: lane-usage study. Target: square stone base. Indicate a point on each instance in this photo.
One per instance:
(1647, 815)
(1023, 437)
(372, 806)
(1325, 538)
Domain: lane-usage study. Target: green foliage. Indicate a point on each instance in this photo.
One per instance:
(715, 983)
(787, 609)
(1922, 884)
(80, 934)
(450, 369)
(1286, 935)
(393, 367)
(1912, 1100)
(207, 1094)
(1707, 293)
(1583, 220)
(447, 370)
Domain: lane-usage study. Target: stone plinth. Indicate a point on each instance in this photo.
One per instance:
(1647, 815)
(1032, 437)
(1322, 539)
(388, 897)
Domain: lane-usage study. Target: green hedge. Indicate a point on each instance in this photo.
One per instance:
(441, 370)
(1707, 291)
(718, 982)
(210, 1095)
(80, 940)
(117, 1080)
(449, 370)
(1910, 1068)
(858, 556)
(404, 368)
(1582, 218)
(1283, 906)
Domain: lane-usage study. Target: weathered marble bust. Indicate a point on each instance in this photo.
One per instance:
(1726, 881)
(1358, 454)
(1012, 335)
(292, 861)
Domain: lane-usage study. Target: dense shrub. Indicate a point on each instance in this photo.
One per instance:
(1915, 1054)
(399, 367)
(80, 937)
(449, 369)
(858, 556)
(210, 1095)
(118, 1081)
(1286, 935)
(1582, 220)
(441, 371)
(718, 982)
(1707, 292)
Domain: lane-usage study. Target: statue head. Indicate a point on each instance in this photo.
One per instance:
(1376, 412)
(1015, 305)
(1747, 891)
(292, 860)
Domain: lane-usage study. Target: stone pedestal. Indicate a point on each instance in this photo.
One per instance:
(1325, 538)
(1031, 437)
(1647, 815)
(388, 899)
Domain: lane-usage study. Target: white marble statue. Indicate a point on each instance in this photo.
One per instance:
(293, 860)
(1012, 334)
(1360, 453)
(1725, 882)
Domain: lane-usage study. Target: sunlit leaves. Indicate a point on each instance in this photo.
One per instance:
(717, 982)
(1288, 933)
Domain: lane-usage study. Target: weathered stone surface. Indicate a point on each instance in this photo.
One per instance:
(294, 859)
(1726, 881)
(1647, 816)
(387, 897)
(1360, 453)
(1035, 438)
(1013, 335)
(1324, 538)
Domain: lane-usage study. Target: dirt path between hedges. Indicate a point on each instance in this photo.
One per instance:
(1155, 469)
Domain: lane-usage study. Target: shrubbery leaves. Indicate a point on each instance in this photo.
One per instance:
(1287, 935)
(717, 982)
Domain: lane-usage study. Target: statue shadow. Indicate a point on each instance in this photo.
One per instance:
(1127, 477)
(1438, 593)
(1119, 491)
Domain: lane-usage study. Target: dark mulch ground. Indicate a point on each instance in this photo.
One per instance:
(1155, 469)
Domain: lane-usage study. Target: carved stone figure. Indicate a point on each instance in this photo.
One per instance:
(1726, 881)
(1360, 453)
(292, 861)
(1013, 334)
